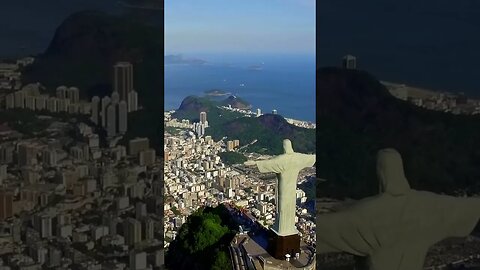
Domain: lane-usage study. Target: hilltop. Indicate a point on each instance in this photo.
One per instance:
(358, 116)
(269, 130)
(86, 46)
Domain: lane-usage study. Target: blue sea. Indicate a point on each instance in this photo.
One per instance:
(282, 82)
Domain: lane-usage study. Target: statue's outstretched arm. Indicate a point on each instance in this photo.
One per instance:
(269, 165)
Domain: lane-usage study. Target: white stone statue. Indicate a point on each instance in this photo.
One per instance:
(286, 166)
(395, 229)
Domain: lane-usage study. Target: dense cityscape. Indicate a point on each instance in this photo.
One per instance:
(196, 177)
(74, 194)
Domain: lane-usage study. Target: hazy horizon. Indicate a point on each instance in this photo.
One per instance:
(215, 26)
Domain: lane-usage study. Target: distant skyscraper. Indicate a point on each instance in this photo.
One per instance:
(259, 112)
(115, 97)
(3, 173)
(30, 102)
(203, 117)
(349, 62)
(140, 210)
(62, 105)
(230, 145)
(49, 157)
(41, 102)
(138, 260)
(73, 94)
(137, 145)
(148, 229)
(105, 102)
(274, 111)
(61, 92)
(95, 110)
(111, 120)
(122, 117)
(123, 79)
(19, 99)
(27, 154)
(43, 224)
(132, 230)
(52, 104)
(6, 204)
(132, 101)
(147, 157)
(10, 101)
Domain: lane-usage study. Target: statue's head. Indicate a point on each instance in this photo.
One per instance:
(390, 173)
(287, 146)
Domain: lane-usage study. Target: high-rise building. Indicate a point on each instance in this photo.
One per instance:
(30, 102)
(43, 225)
(27, 154)
(236, 143)
(123, 79)
(349, 62)
(111, 120)
(10, 101)
(49, 157)
(115, 97)
(230, 146)
(132, 101)
(41, 102)
(72, 107)
(203, 117)
(62, 92)
(259, 112)
(6, 204)
(147, 157)
(138, 260)
(62, 105)
(148, 229)
(95, 110)
(54, 257)
(3, 172)
(140, 210)
(73, 94)
(6, 153)
(132, 230)
(19, 99)
(105, 102)
(137, 145)
(52, 103)
(122, 117)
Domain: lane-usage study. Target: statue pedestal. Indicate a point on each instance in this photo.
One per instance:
(279, 246)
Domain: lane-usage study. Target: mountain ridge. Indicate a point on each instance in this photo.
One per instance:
(357, 117)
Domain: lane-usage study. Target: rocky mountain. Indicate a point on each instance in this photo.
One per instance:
(87, 45)
(357, 116)
(269, 130)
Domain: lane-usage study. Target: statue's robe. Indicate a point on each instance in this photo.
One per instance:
(395, 229)
(286, 166)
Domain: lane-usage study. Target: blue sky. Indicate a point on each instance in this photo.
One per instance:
(240, 26)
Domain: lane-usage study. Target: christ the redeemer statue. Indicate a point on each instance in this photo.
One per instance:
(395, 229)
(286, 166)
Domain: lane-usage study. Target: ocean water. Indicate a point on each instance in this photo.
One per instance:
(284, 82)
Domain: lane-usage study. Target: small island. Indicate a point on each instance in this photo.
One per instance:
(216, 93)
